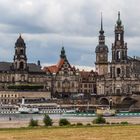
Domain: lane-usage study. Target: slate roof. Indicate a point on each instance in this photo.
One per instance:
(6, 66)
(34, 67)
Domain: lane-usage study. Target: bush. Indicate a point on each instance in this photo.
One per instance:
(47, 120)
(88, 124)
(25, 87)
(124, 123)
(99, 120)
(33, 122)
(79, 124)
(63, 122)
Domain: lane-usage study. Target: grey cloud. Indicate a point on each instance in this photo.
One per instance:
(46, 23)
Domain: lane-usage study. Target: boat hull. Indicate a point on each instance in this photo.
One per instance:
(27, 110)
(106, 112)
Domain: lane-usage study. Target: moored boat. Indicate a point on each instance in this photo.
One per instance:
(106, 112)
(28, 110)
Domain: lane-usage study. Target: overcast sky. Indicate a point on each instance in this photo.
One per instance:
(45, 24)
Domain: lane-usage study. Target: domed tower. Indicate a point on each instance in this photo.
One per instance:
(101, 51)
(20, 59)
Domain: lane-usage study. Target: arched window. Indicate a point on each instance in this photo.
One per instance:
(21, 66)
(123, 55)
(119, 37)
(118, 55)
(22, 78)
(118, 91)
(118, 72)
(21, 51)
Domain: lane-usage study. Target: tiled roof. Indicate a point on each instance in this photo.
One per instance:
(84, 73)
(60, 63)
(87, 73)
(54, 68)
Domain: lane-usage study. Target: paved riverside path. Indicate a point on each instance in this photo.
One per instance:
(24, 123)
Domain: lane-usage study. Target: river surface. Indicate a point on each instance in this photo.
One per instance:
(26, 117)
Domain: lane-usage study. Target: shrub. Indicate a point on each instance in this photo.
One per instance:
(25, 87)
(124, 122)
(63, 122)
(47, 120)
(79, 124)
(33, 122)
(99, 120)
(88, 124)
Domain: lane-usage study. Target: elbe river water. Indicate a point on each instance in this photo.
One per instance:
(27, 117)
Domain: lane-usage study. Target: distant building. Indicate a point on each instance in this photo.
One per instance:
(87, 82)
(65, 78)
(20, 74)
(68, 81)
(121, 76)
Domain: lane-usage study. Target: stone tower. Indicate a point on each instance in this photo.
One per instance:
(101, 51)
(20, 59)
(119, 67)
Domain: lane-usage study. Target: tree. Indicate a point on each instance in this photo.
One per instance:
(47, 120)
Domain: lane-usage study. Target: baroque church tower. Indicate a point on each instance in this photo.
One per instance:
(101, 51)
(20, 62)
(20, 59)
(119, 67)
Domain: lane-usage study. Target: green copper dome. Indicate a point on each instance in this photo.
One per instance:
(63, 53)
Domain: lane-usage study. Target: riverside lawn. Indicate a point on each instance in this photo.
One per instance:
(113, 132)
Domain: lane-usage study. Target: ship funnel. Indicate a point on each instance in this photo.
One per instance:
(23, 101)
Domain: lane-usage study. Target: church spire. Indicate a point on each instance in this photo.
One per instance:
(101, 33)
(101, 30)
(119, 22)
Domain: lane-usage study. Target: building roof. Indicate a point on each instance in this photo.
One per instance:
(20, 42)
(52, 69)
(34, 67)
(5, 66)
(101, 48)
(87, 73)
(55, 68)
(60, 63)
